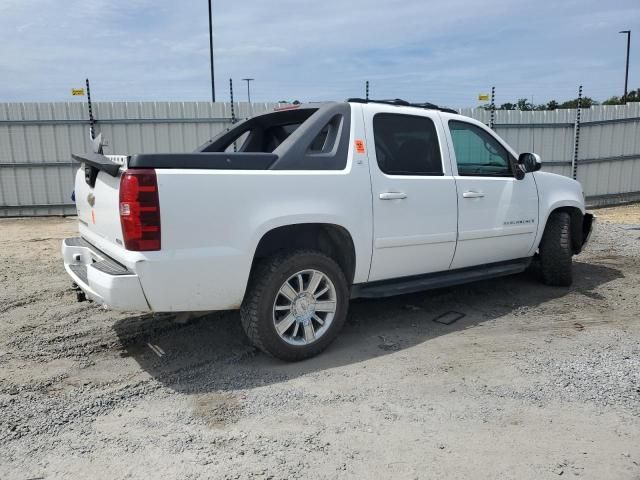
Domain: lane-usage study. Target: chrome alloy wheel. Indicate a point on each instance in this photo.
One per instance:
(304, 307)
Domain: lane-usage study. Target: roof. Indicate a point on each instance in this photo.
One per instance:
(403, 103)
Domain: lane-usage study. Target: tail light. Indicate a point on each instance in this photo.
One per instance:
(140, 210)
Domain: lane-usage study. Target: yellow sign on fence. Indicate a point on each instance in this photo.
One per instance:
(77, 92)
(483, 97)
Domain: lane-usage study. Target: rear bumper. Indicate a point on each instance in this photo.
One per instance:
(101, 278)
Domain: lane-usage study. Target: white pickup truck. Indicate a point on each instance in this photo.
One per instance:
(289, 214)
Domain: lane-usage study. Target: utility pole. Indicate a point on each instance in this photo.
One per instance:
(626, 75)
(213, 86)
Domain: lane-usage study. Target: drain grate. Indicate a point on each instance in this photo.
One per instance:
(448, 318)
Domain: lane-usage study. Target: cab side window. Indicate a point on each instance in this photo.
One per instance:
(477, 152)
(406, 145)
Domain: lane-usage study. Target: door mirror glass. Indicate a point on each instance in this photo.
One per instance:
(530, 162)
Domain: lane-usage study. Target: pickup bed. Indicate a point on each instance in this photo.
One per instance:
(288, 214)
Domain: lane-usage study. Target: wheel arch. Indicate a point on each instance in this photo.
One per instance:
(576, 214)
(332, 239)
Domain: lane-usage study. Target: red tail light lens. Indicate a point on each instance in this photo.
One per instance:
(140, 210)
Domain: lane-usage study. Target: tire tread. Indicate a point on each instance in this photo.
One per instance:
(555, 250)
(259, 282)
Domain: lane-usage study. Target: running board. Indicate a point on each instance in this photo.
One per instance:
(418, 283)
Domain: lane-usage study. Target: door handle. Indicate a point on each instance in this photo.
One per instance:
(472, 194)
(393, 196)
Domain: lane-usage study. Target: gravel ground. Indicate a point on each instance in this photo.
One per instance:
(534, 382)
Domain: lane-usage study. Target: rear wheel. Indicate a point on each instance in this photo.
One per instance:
(295, 305)
(555, 250)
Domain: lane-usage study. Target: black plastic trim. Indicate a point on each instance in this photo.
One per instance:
(398, 102)
(98, 161)
(587, 227)
(80, 270)
(293, 153)
(107, 264)
(204, 161)
(418, 283)
(224, 139)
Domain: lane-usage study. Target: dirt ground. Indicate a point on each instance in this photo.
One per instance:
(534, 382)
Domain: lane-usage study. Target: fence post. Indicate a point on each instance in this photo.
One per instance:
(91, 119)
(233, 111)
(492, 121)
(367, 91)
(576, 146)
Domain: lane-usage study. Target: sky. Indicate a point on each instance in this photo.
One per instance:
(445, 52)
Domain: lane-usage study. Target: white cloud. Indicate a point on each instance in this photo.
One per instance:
(445, 52)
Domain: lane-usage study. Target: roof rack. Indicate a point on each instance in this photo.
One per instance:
(403, 103)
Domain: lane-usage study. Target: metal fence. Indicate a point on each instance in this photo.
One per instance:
(608, 165)
(37, 139)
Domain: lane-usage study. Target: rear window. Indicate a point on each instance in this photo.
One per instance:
(263, 134)
(321, 138)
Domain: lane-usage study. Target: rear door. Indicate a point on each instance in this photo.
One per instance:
(414, 194)
(497, 214)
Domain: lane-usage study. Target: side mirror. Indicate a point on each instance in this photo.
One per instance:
(529, 162)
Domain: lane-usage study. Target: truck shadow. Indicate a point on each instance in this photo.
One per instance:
(211, 353)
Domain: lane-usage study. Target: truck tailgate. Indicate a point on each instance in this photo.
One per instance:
(97, 199)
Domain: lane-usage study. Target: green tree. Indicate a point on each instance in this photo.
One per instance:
(524, 105)
(507, 106)
(613, 101)
(552, 105)
(632, 96)
(586, 102)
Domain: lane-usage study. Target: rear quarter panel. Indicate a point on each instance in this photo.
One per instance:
(213, 220)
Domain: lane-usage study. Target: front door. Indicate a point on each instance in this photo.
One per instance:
(497, 214)
(414, 193)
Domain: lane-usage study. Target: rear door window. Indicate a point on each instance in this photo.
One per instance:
(406, 145)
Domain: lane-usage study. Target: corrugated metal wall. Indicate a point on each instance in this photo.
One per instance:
(37, 139)
(609, 149)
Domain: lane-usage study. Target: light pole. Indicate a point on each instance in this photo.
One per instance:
(626, 75)
(248, 80)
(213, 86)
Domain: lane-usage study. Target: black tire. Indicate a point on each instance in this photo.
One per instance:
(555, 250)
(256, 312)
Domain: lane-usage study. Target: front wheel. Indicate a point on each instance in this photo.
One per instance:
(295, 305)
(555, 250)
